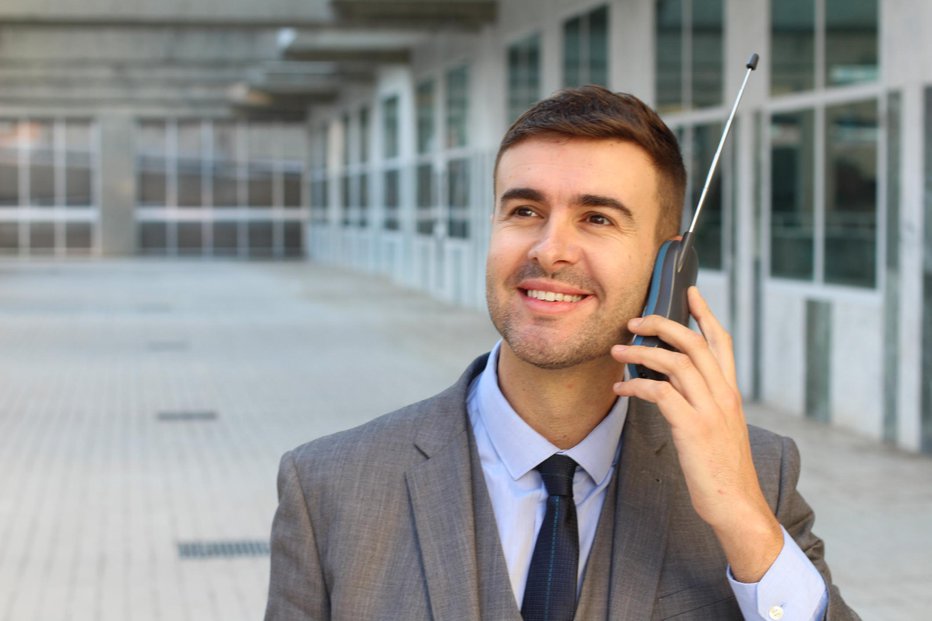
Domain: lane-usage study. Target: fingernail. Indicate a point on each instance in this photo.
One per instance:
(636, 322)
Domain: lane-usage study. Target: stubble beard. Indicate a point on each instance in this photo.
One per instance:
(531, 342)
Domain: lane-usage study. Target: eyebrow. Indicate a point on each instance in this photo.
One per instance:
(585, 200)
(526, 194)
(595, 200)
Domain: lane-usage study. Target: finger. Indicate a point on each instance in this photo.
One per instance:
(672, 405)
(719, 339)
(678, 367)
(684, 340)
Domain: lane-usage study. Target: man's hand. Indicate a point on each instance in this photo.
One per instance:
(702, 403)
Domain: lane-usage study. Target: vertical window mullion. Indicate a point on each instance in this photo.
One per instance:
(820, 77)
(23, 160)
(819, 189)
(58, 159)
(686, 55)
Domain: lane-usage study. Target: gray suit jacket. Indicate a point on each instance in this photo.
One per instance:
(392, 520)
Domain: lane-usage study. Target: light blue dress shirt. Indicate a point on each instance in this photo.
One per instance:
(509, 449)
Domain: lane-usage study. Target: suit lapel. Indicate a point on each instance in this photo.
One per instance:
(626, 559)
(441, 494)
(644, 494)
(441, 499)
(497, 600)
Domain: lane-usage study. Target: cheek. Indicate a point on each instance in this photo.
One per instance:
(630, 272)
(504, 250)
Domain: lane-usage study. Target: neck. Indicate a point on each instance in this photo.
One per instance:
(563, 405)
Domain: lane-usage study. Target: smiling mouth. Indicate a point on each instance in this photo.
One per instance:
(552, 296)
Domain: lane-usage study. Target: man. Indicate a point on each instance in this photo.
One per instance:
(544, 484)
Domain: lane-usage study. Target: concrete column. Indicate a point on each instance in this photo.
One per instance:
(744, 303)
(117, 184)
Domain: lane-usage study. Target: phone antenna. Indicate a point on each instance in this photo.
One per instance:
(688, 235)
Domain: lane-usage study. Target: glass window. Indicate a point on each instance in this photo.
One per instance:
(319, 193)
(153, 238)
(224, 239)
(261, 239)
(705, 139)
(79, 237)
(457, 101)
(151, 163)
(347, 140)
(363, 200)
(190, 238)
(364, 135)
(850, 41)
(347, 200)
(390, 200)
(261, 189)
(293, 146)
(261, 147)
(689, 53)
(792, 162)
(708, 17)
(9, 163)
(669, 54)
(585, 49)
(78, 164)
(291, 186)
(293, 238)
(851, 136)
(189, 164)
(425, 117)
(572, 52)
(40, 139)
(225, 170)
(9, 237)
(458, 198)
(792, 46)
(78, 176)
(42, 237)
(390, 127)
(523, 75)
(425, 199)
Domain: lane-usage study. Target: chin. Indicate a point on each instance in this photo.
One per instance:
(555, 355)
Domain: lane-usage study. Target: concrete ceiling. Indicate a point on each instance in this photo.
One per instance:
(208, 57)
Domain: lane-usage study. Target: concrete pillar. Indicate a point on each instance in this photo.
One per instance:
(117, 184)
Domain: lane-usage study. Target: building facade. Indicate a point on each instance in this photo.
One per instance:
(815, 245)
(363, 134)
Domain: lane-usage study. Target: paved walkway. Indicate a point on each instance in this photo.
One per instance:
(144, 406)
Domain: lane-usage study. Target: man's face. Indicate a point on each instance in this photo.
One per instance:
(572, 247)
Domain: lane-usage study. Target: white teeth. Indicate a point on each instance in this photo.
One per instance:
(551, 296)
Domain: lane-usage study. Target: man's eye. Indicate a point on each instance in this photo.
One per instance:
(523, 212)
(597, 218)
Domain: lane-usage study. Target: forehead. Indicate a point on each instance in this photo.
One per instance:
(585, 164)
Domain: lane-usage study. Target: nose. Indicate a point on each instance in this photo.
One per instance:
(556, 246)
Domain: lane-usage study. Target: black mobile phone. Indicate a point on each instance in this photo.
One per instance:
(677, 264)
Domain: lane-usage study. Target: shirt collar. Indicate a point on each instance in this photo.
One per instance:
(521, 448)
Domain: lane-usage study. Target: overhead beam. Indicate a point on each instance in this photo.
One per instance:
(448, 13)
(357, 45)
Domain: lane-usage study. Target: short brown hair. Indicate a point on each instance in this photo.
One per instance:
(596, 112)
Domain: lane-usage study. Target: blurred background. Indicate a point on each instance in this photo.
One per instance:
(152, 153)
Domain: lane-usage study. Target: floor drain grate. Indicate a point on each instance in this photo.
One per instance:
(222, 549)
(186, 415)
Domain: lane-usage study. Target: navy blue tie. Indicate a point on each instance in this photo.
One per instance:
(550, 594)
